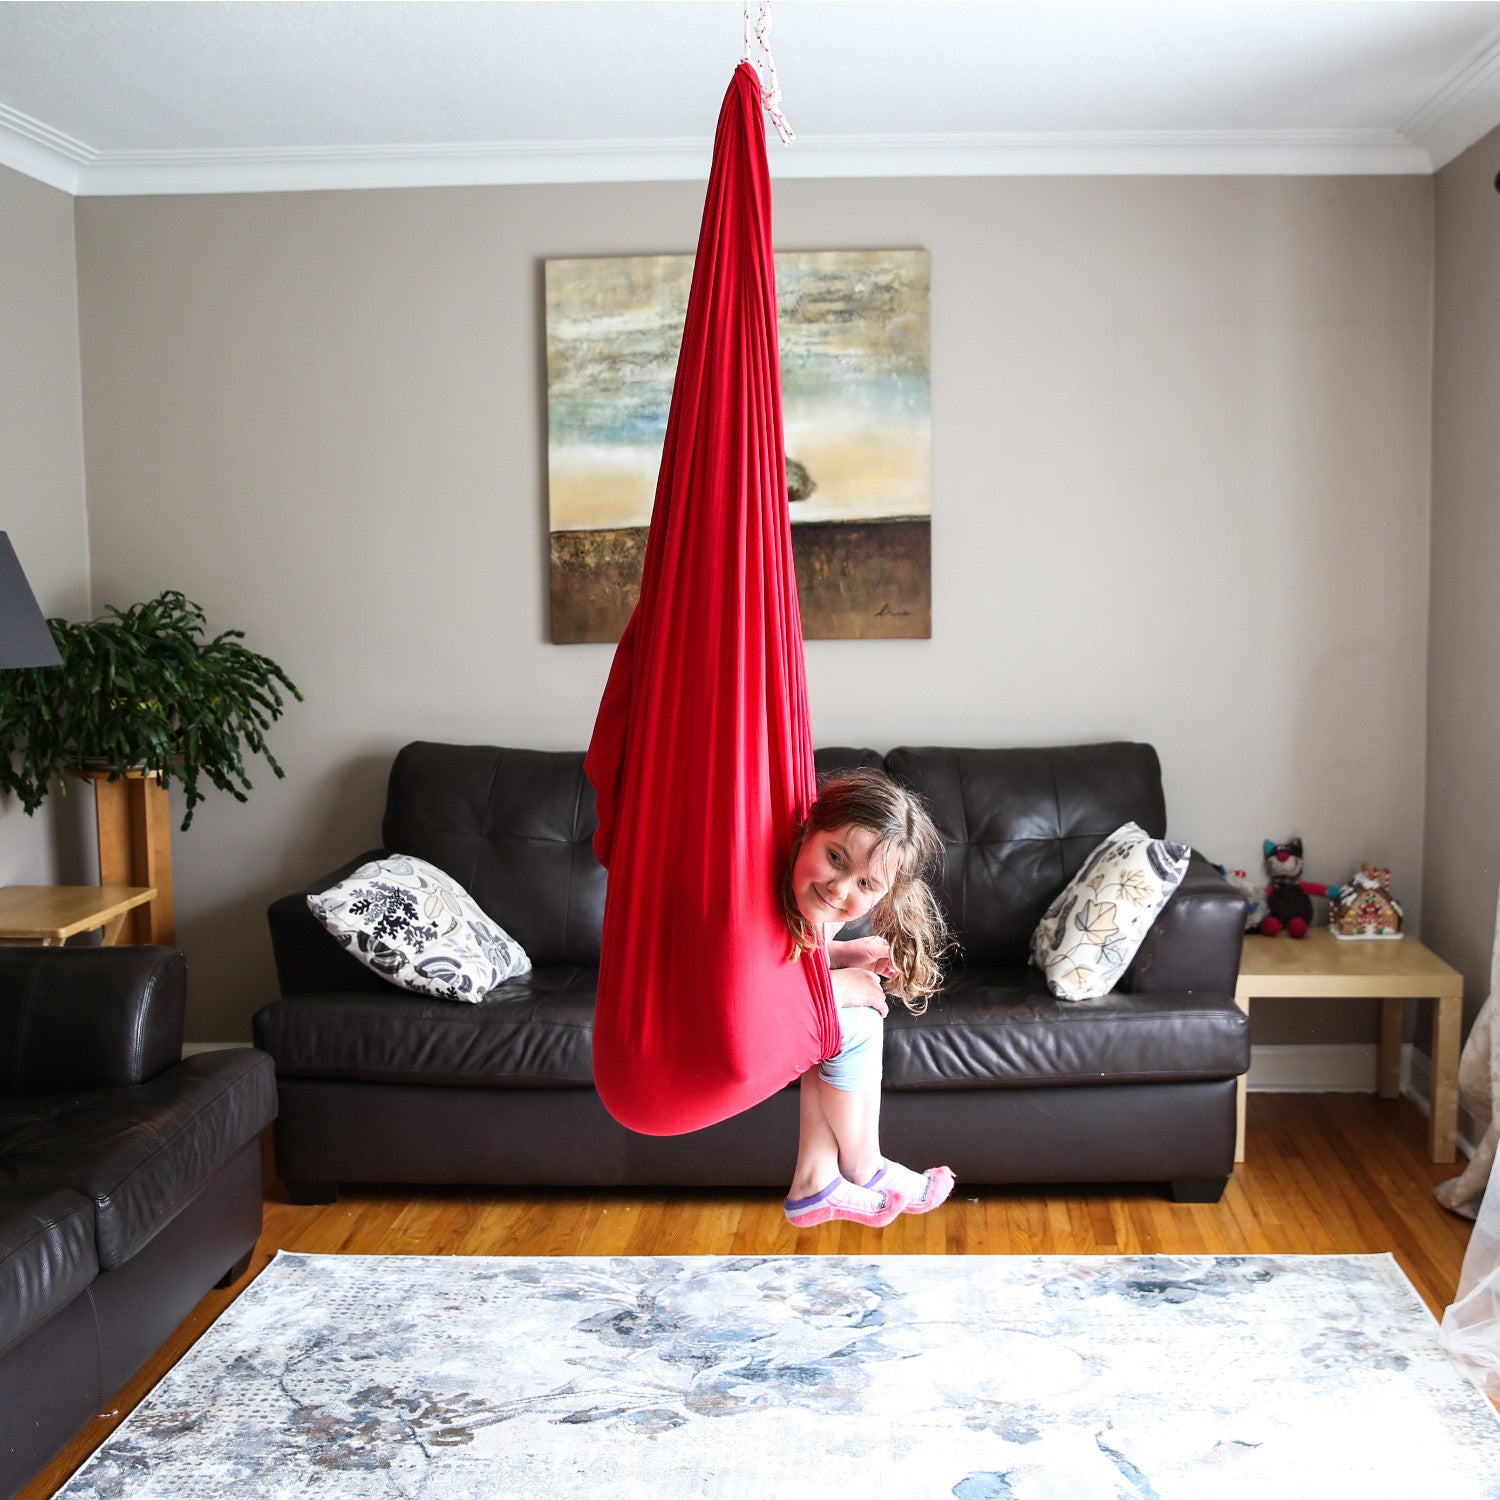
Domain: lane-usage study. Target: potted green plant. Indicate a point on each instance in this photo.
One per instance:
(140, 691)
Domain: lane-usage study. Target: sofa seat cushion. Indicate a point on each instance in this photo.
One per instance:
(535, 1030)
(999, 1028)
(144, 1152)
(47, 1256)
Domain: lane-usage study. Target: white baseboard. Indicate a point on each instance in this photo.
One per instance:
(1348, 1068)
(1307, 1068)
(1416, 1085)
(189, 1048)
(1416, 1081)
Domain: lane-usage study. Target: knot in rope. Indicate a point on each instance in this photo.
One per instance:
(770, 96)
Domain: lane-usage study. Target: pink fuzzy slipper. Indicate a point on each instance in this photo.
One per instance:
(875, 1207)
(923, 1191)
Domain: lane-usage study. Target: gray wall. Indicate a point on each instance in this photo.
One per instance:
(1463, 682)
(1181, 493)
(41, 481)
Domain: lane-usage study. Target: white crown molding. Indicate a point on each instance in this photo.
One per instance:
(38, 151)
(1150, 153)
(52, 157)
(1106, 153)
(1463, 111)
(312, 169)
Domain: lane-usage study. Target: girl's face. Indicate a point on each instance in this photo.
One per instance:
(838, 875)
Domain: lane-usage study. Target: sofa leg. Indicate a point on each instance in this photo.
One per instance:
(235, 1271)
(1197, 1189)
(312, 1192)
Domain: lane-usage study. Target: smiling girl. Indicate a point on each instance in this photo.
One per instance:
(862, 851)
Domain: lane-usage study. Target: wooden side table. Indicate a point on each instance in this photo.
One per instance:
(1393, 971)
(48, 915)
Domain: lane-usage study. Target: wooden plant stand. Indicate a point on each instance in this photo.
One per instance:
(134, 819)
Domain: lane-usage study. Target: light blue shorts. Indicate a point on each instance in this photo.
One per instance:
(858, 1062)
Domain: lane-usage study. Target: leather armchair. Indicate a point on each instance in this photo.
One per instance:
(130, 1180)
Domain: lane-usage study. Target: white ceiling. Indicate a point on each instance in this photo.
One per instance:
(221, 97)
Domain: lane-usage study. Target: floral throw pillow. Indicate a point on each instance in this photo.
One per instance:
(419, 928)
(1091, 932)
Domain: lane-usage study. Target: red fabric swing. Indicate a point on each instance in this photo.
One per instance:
(702, 755)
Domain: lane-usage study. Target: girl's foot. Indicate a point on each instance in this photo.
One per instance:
(923, 1191)
(874, 1207)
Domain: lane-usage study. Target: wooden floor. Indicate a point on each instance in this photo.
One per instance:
(1325, 1173)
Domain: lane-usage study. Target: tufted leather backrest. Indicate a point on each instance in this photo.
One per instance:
(1018, 824)
(833, 760)
(514, 828)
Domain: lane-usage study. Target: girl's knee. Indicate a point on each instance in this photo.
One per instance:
(858, 1063)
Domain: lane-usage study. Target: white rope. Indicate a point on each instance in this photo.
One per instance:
(770, 97)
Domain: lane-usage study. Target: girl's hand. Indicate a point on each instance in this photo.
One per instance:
(872, 953)
(858, 987)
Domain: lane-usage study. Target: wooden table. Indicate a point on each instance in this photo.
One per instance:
(50, 914)
(1392, 970)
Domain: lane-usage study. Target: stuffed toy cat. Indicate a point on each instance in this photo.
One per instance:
(1288, 895)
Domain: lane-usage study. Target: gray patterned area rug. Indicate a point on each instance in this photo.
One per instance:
(981, 1377)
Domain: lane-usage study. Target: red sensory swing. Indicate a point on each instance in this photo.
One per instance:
(702, 755)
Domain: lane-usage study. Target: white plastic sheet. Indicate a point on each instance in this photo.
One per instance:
(1471, 1326)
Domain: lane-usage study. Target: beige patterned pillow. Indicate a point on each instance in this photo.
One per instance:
(1091, 932)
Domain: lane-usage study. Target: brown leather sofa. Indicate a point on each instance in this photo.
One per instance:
(998, 1079)
(129, 1180)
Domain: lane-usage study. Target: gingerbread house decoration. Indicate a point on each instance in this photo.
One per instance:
(1365, 908)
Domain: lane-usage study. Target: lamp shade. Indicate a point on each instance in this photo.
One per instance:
(25, 640)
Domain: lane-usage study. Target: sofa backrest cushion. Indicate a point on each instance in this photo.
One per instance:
(832, 760)
(514, 828)
(1019, 823)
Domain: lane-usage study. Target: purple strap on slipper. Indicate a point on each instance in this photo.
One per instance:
(798, 1205)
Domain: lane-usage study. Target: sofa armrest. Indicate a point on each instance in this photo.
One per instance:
(1194, 944)
(309, 960)
(88, 1018)
(143, 1153)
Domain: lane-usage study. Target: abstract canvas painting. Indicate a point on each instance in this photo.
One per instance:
(855, 328)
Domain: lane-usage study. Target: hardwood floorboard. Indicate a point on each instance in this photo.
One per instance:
(1325, 1173)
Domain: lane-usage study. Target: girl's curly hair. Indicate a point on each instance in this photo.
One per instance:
(907, 916)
